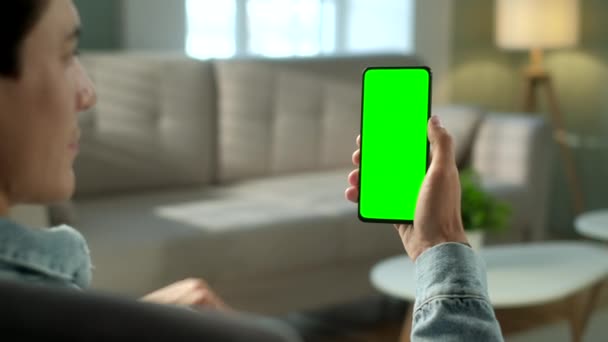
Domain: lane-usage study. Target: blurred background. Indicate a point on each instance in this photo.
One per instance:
(456, 38)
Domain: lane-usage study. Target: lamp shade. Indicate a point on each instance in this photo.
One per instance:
(536, 24)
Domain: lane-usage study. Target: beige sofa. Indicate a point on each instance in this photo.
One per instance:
(234, 171)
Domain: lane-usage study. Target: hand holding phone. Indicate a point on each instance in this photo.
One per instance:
(437, 217)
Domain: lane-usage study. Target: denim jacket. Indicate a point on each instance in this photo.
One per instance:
(55, 256)
(452, 301)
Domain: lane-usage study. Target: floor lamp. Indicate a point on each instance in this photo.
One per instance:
(538, 25)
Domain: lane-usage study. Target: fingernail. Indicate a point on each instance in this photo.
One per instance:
(436, 121)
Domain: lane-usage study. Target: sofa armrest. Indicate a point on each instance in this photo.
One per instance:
(516, 150)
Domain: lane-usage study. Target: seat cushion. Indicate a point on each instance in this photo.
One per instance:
(242, 230)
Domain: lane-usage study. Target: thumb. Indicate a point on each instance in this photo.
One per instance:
(442, 148)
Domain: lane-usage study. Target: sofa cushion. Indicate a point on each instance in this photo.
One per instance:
(340, 124)
(516, 149)
(246, 93)
(153, 126)
(297, 114)
(266, 226)
(285, 115)
(188, 122)
(505, 145)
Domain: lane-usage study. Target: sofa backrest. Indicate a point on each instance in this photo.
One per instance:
(290, 115)
(167, 120)
(508, 146)
(153, 126)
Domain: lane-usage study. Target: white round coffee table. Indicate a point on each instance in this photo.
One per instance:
(593, 224)
(519, 276)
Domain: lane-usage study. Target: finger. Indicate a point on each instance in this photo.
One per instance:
(193, 298)
(194, 292)
(441, 143)
(353, 178)
(402, 227)
(357, 157)
(352, 194)
(359, 141)
(199, 295)
(174, 292)
(404, 230)
(166, 295)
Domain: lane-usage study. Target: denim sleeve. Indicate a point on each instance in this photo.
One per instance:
(452, 301)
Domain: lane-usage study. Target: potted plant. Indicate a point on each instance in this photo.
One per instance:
(481, 212)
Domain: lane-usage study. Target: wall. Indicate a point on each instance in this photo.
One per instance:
(102, 24)
(132, 24)
(432, 41)
(480, 73)
(154, 25)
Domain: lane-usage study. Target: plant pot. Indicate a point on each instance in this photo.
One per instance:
(475, 238)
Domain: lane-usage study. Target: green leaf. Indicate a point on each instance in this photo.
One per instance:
(480, 210)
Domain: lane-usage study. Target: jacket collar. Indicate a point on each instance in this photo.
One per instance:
(60, 253)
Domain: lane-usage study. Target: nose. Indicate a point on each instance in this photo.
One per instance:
(86, 96)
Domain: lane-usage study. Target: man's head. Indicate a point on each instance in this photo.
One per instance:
(42, 89)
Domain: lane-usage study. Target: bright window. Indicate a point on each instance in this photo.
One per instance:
(280, 28)
(211, 28)
(283, 28)
(380, 25)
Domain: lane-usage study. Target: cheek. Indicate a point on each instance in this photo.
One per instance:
(50, 97)
(53, 120)
(46, 166)
(43, 166)
(56, 125)
(59, 97)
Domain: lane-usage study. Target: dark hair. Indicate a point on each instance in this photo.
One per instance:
(17, 19)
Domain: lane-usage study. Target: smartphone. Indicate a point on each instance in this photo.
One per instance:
(395, 109)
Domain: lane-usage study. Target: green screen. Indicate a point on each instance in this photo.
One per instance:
(394, 144)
